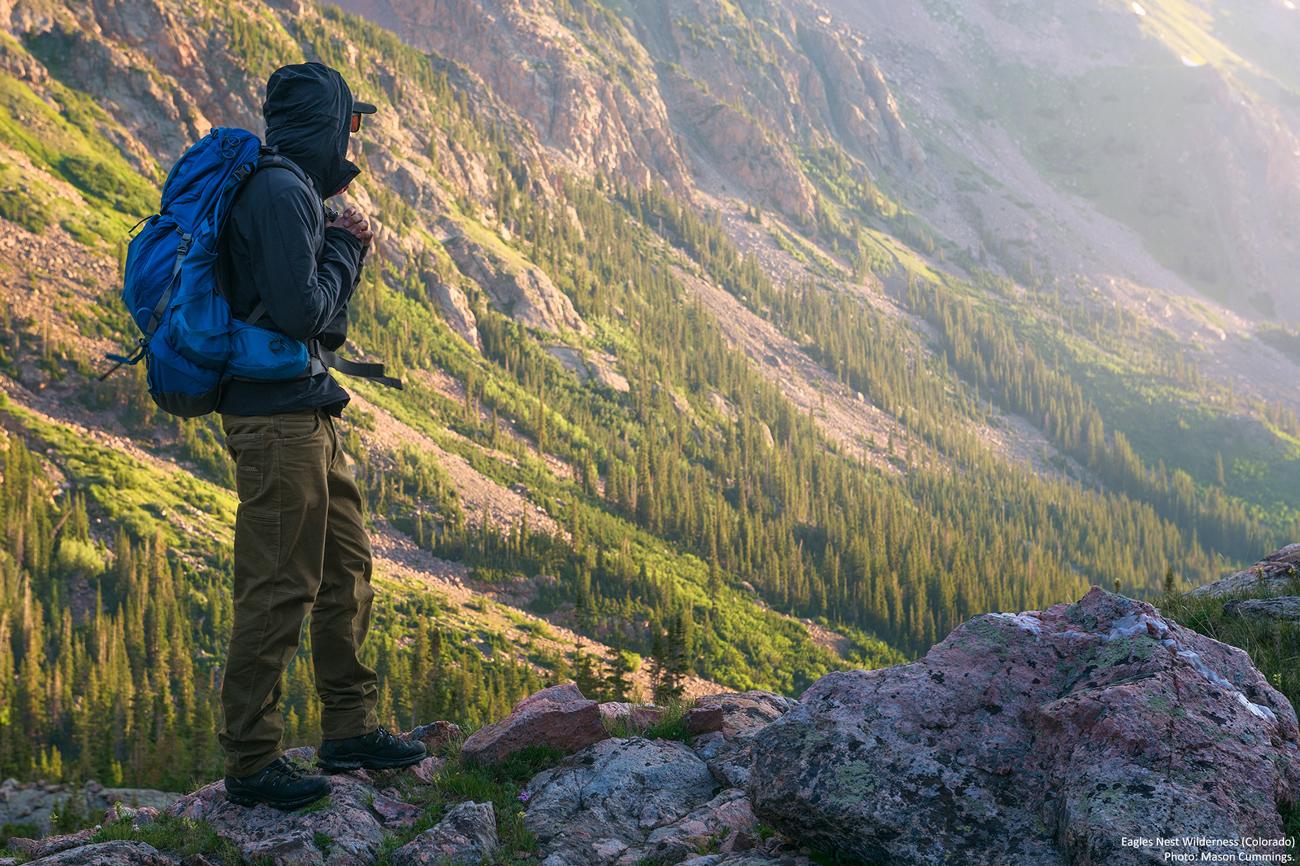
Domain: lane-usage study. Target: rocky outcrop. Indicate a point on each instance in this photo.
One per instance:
(630, 718)
(1274, 575)
(456, 310)
(726, 725)
(590, 367)
(1042, 738)
(466, 836)
(558, 717)
(521, 291)
(34, 803)
(347, 829)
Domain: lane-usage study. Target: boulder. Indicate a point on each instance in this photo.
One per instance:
(601, 805)
(559, 717)
(1273, 575)
(1285, 608)
(107, 854)
(1042, 738)
(466, 836)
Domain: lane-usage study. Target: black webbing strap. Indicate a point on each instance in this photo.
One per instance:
(353, 368)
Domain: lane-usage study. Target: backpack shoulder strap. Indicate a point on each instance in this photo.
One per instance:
(271, 158)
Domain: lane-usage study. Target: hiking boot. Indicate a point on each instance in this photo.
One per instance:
(378, 750)
(280, 784)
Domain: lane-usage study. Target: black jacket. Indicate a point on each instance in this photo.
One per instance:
(275, 247)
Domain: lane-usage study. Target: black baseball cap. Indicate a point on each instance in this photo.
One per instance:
(362, 107)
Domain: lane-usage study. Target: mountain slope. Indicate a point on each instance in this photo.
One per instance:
(638, 366)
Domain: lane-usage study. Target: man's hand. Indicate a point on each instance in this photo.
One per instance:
(354, 222)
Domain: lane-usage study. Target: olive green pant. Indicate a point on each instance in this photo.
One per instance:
(300, 547)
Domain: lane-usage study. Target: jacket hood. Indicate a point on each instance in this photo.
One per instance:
(308, 111)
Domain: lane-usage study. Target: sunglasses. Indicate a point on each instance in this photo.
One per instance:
(356, 122)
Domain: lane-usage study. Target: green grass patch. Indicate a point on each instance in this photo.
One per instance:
(500, 784)
(183, 837)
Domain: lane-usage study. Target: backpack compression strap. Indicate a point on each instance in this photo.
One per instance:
(328, 360)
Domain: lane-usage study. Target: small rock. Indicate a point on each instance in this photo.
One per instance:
(393, 812)
(558, 716)
(703, 720)
(139, 817)
(746, 712)
(466, 836)
(737, 718)
(632, 718)
(428, 769)
(437, 734)
(36, 848)
(726, 821)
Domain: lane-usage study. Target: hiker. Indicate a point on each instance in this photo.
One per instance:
(300, 544)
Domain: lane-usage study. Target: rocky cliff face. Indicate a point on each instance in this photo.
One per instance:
(1044, 737)
(674, 92)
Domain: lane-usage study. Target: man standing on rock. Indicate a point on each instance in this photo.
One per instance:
(300, 543)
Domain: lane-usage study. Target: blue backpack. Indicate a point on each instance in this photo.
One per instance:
(192, 344)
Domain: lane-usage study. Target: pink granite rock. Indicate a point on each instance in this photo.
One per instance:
(466, 836)
(559, 717)
(1042, 738)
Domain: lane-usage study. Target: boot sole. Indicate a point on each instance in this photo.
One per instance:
(282, 805)
(342, 765)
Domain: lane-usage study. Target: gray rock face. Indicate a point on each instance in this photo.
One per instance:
(456, 309)
(600, 805)
(590, 367)
(519, 290)
(1273, 575)
(107, 854)
(467, 836)
(1283, 607)
(1039, 738)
